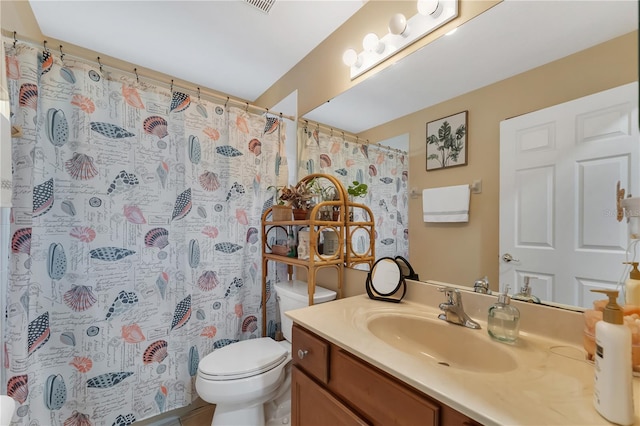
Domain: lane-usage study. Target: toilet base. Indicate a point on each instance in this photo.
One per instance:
(278, 415)
(241, 416)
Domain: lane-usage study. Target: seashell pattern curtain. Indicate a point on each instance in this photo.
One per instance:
(135, 247)
(386, 172)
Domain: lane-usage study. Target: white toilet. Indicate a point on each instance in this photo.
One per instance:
(251, 377)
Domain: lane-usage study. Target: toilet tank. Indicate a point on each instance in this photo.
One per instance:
(294, 295)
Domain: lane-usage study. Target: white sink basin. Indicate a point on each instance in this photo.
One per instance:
(447, 344)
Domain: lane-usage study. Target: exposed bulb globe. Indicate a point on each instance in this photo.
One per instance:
(429, 7)
(350, 57)
(398, 24)
(371, 43)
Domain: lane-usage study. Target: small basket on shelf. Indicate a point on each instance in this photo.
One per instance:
(280, 250)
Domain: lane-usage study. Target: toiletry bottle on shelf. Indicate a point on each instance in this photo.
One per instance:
(613, 386)
(503, 323)
(632, 286)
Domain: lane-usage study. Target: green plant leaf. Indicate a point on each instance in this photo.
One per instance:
(445, 131)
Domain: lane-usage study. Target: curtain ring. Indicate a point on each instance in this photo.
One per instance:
(226, 102)
(100, 64)
(246, 108)
(171, 88)
(135, 70)
(281, 117)
(331, 133)
(198, 94)
(61, 54)
(15, 39)
(45, 46)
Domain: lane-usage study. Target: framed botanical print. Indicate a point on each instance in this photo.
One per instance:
(447, 142)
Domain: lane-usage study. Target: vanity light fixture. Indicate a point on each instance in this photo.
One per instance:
(432, 14)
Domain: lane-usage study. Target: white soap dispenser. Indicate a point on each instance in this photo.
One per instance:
(503, 323)
(613, 386)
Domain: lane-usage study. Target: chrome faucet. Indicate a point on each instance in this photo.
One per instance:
(453, 310)
(525, 291)
(482, 286)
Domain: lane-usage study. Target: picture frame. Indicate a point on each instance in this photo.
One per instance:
(447, 142)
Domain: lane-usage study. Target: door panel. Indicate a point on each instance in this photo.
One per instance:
(534, 211)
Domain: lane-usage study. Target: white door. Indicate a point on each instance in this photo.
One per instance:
(558, 172)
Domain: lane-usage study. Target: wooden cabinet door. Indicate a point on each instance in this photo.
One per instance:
(312, 405)
(383, 399)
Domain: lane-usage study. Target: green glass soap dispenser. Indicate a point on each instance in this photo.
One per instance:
(503, 323)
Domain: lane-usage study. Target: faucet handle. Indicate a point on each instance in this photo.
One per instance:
(452, 294)
(482, 285)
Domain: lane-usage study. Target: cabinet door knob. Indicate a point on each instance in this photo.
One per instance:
(302, 354)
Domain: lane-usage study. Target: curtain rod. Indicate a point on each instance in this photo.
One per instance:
(318, 126)
(197, 91)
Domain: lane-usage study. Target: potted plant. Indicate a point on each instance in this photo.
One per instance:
(279, 210)
(356, 189)
(330, 193)
(298, 197)
(325, 193)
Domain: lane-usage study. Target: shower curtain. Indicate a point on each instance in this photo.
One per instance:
(135, 246)
(385, 171)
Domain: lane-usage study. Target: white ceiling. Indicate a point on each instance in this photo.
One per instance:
(508, 39)
(229, 46)
(225, 45)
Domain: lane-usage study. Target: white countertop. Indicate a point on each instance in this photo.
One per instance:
(552, 384)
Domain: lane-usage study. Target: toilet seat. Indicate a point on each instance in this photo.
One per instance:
(243, 359)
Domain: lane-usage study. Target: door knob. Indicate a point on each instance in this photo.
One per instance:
(302, 354)
(508, 258)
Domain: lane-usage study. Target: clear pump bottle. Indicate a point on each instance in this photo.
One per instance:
(503, 323)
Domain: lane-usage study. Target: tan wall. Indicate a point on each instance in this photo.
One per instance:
(462, 253)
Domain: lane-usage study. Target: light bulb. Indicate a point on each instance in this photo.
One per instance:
(371, 43)
(429, 7)
(350, 58)
(398, 25)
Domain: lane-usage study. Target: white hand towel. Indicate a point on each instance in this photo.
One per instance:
(446, 204)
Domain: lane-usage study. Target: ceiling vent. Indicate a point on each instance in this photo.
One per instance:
(262, 5)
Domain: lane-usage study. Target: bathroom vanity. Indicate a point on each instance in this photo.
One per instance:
(357, 361)
(331, 386)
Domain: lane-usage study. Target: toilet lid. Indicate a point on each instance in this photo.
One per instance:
(242, 359)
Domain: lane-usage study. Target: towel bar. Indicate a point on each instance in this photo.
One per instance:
(476, 188)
